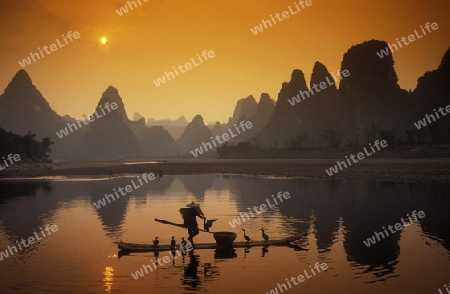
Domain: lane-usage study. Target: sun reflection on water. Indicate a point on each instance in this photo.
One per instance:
(108, 278)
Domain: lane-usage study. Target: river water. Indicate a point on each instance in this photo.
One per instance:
(334, 217)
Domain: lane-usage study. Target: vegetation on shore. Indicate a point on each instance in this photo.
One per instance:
(436, 136)
(29, 149)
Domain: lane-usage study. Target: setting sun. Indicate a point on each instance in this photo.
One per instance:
(103, 40)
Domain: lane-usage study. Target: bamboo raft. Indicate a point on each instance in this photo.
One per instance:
(134, 247)
(229, 244)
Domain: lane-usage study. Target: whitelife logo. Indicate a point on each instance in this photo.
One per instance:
(244, 126)
(31, 240)
(128, 189)
(281, 16)
(53, 48)
(162, 261)
(395, 228)
(72, 126)
(262, 208)
(411, 38)
(183, 69)
(318, 267)
(124, 9)
(360, 155)
(423, 123)
(315, 88)
(10, 158)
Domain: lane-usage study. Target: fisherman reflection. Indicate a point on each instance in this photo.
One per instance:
(173, 248)
(191, 272)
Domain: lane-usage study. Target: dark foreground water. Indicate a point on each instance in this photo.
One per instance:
(335, 217)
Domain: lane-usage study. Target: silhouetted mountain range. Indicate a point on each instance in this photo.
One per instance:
(247, 109)
(180, 122)
(157, 142)
(195, 133)
(24, 109)
(110, 136)
(367, 105)
(371, 95)
(174, 127)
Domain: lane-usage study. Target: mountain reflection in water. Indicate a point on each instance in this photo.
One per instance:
(334, 216)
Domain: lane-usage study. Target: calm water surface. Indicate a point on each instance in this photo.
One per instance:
(335, 217)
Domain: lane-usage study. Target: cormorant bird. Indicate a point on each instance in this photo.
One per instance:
(264, 235)
(247, 238)
(156, 243)
(208, 224)
(183, 246)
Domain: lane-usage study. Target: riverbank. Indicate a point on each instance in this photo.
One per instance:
(386, 169)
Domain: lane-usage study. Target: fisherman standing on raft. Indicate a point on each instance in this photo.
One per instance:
(190, 219)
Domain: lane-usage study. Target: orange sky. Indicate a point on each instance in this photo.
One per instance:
(159, 34)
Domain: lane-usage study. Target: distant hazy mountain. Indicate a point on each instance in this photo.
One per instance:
(247, 109)
(110, 137)
(113, 136)
(24, 109)
(157, 142)
(367, 105)
(244, 107)
(167, 122)
(137, 116)
(262, 115)
(174, 127)
(194, 135)
(137, 126)
(286, 119)
(217, 129)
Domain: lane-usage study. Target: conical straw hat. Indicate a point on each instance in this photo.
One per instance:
(193, 204)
